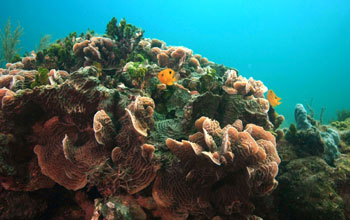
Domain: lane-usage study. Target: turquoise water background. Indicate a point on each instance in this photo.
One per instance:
(298, 48)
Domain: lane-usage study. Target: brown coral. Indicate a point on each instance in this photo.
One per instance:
(61, 157)
(242, 85)
(179, 53)
(163, 59)
(194, 62)
(157, 43)
(198, 56)
(28, 62)
(155, 51)
(204, 61)
(6, 96)
(79, 47)
(15, 78)
(5, 81)
(99, 49)
(134, 168)
(245, 163)
(57, 122)
(103, 128)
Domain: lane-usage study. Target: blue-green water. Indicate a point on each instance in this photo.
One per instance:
(298, 48)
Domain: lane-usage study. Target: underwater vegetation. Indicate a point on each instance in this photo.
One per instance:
(342, 115)
(91, 129)
(9, 42)
(44, 42)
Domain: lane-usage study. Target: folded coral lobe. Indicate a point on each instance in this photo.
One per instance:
(59, 159)
(222, 178)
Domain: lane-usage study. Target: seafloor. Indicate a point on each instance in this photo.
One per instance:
(87, 131)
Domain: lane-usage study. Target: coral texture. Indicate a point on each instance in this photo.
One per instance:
(227, 164)
(97, 49)
(87, 130)
(235, 84)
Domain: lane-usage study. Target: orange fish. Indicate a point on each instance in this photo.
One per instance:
(273, 99)
(167, 76)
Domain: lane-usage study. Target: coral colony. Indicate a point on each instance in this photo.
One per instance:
(87, 120)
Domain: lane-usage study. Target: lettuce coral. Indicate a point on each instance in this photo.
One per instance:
(225, 163)
(88, 113)
(96, 49)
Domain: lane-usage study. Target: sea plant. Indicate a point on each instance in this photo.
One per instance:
(58, 55)
(209, 81)
(16, 58)
(126, 35)
(44, 42)
(89, 34)
(41, 78)
(136, 70)
(9, 42)
(121, 31)
(211, 72)
(342, 115)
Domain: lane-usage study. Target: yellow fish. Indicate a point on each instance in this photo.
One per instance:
(167, 76)
(273, 99)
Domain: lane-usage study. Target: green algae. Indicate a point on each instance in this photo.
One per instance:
(41, 78)
(16, 58)
(58, 55)
(342, 125)
(136, 70)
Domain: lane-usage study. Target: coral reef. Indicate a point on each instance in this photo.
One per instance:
(235, 84)
(170, 56)
(96, 49)
(342, 125)
(127, 36)
(86, 120)
(58, 55)
(217, 166)
(313, 187)
(314, 193)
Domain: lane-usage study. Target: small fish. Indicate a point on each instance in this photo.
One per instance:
(273, 99)
(167, 76)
